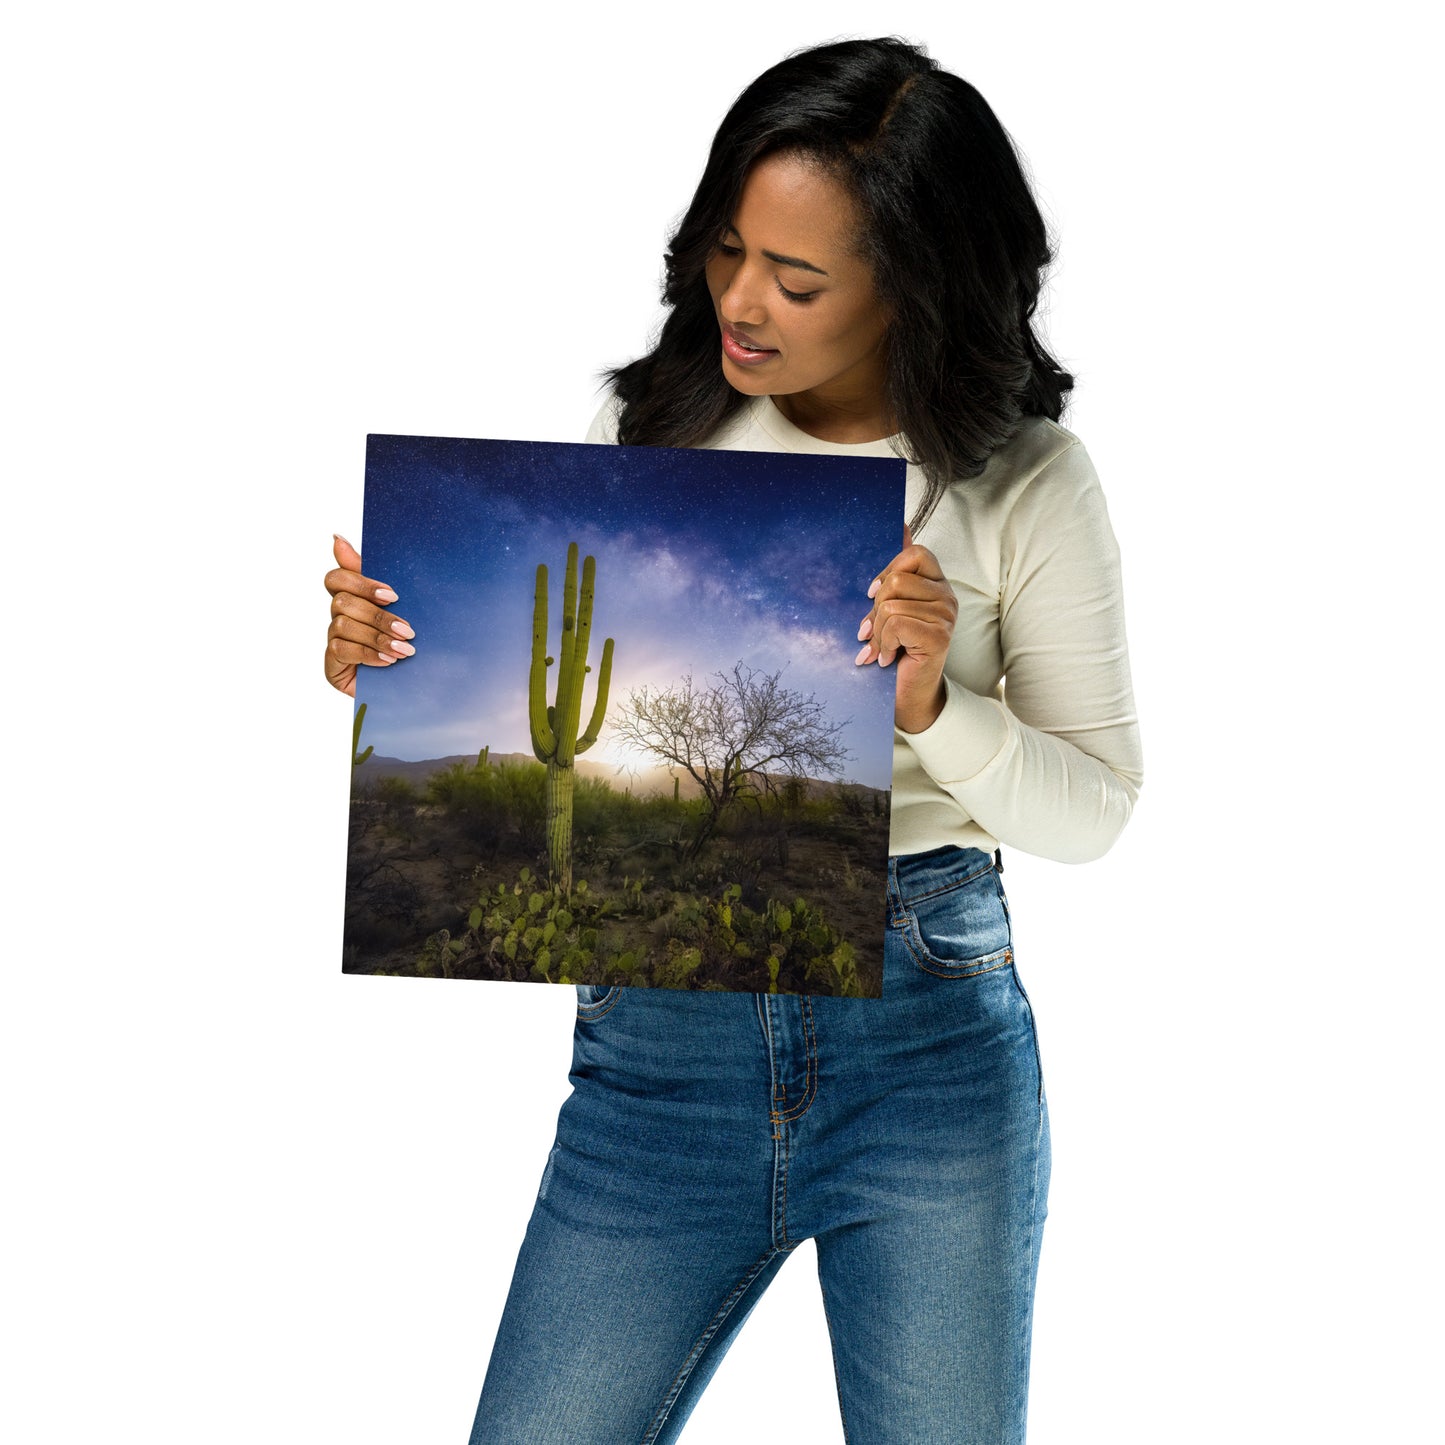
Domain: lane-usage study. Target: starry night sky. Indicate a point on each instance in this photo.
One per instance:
(704, 558)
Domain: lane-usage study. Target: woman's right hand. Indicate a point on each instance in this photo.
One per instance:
(361, 633)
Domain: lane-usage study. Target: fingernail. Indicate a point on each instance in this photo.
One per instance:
(405, 648)
(388, 657)
(876, 584)
(866, 630)
(863, 654)
(385, 594)
(337, 537)
(402, 630)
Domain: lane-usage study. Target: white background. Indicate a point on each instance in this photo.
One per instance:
(249, 1199)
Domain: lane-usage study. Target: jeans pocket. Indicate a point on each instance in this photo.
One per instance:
(961, 929)
(595, 999)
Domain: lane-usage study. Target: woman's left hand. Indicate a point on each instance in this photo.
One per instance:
(914, 610)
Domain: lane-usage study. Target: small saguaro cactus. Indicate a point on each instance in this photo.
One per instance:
(358, 758)
(554, 727)
(482, 758)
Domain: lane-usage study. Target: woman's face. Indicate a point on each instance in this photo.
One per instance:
(797, 308)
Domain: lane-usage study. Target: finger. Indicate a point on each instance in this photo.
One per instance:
(921, 634)
(341, 580)
(906, 593)
(357, 654)
(341, 675)
(346, 576)
(911, 584)
(346, 555)
(912, 558)
(381, 643)
(907, 536)
(357, 608)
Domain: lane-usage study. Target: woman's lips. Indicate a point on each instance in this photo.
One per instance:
(739, 347)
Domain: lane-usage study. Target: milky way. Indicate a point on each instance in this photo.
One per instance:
(704, 559)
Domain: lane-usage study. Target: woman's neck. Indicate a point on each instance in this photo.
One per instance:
(837, 420)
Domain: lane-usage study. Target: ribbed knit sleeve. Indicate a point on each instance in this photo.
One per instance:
(1054, 768)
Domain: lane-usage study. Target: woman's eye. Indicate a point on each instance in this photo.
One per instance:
(796, 295)
(724, 249)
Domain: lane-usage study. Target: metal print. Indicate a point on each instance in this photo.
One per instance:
(632, 747)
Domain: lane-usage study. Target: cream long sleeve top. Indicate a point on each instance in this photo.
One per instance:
(1037, 746)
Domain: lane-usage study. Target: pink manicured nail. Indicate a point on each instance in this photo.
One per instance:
(337, 537)
(863, 654)
(405, 648)
(874, 586)
(385, 594)
(866, 630)
(402, 630)
(388, 657)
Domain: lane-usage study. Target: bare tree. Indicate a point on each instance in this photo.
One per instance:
(733, 736)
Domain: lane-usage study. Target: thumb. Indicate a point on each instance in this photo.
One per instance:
(346, 555)
(907, 535)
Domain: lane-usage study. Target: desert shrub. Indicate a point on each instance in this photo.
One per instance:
(397, 798)
(596, 809)
(396, 792)
(490, 804)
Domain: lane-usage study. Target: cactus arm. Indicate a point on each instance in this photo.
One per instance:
(583, 640)
(565, 665)
(599, 713)
(544, 743)
(358, 758)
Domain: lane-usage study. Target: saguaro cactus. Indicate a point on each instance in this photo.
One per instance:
(358, 758)
(554, 727)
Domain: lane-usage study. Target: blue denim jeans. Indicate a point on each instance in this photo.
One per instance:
(708, 1134)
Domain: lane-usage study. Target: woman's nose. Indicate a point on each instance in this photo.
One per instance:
(741, 303)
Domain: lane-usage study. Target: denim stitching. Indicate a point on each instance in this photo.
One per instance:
(1033, 1032)
(947, 887)
(606, 1004)
(765, 1013)
(895, 899)
(688, 1365)
(778, 1118)
(810, 1086)
(940, 968)
(1003, 962)
(780, 1202)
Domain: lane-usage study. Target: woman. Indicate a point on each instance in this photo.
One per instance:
(856, 276)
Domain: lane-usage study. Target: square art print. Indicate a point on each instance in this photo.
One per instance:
(632, 747)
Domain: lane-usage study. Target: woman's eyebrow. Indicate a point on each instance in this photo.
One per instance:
(794, 261)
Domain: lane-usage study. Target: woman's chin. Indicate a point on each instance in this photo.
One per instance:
(745, 381)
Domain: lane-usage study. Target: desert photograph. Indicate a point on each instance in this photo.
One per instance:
(632, 747)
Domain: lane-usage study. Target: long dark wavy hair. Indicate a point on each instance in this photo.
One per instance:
(950, 228)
